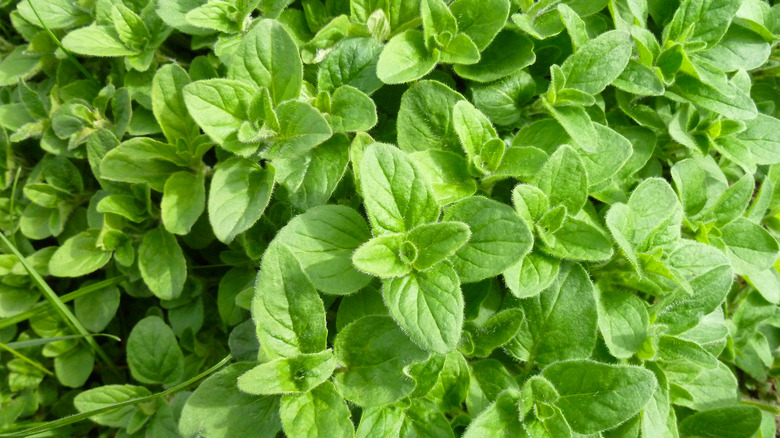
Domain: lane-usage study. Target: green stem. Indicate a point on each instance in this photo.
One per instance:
(84, 415)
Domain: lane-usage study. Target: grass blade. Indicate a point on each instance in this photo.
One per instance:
(85, 415)
(41, 307)
(58, 305)
(25, 358)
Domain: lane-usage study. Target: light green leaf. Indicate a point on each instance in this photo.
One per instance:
(500, 419)
(499, 238)
(184, 199)
(323, 240)
(287, 310)
(240, 191)
(295, 374)
(351, 62)
(428, 306)
(162, 264)
(78, 256)
(218, 409)
(598, 62)
(374, 349)
(730, 422)
(302, 127)
(532, 274)
(509, 52)
(564, 180)
(623, 321)
(141, 160)
(351, 110)
(309, 180)
(268, 57)
(168, 104)
(596, 396)
(426, 120)
(730, 101)
(104, 396)
(405, 58)
(750, 247)
(481, 21)
(96, 40)
(448, 173)
(153, 353)
(437, 242)
(472, 127)
(220, 106)
(381, 256)
(397, 195)
(762, 137)
(322, 412)
(561, 322)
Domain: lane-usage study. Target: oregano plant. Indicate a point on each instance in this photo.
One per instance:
(397, 218)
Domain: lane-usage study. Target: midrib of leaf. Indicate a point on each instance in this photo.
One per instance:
(60, 307)
(84, 415)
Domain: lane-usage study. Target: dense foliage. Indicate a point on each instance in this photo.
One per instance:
(381, 218)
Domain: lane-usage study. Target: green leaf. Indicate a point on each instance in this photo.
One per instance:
(141, 160)
(598, 62)
(751, 248)
(561, 322)
(162, 264)
(268, 57)
(652, 218)
(623, 321)
(428, 306)
(499, 238)
(762, 136)
(184, 199)
(310, 179)
(301, 128)
(509, 52)
(460, 50)
(729, 101)
(96, 40)
(168, 104)
(730, 422)
(351, 62)
(295, 374)
(232, 207)
(322, 412)
(439, 25)
(374, 349)
(218, 409)
(287, 310)
(448, 173)
(220, 106)
(494, 333)
(323, 240)
(153, 353)
(532, 274)
(481, 21)
(708, 272)
(596, 396)
(472, 127)
(437, 242)
(398, 197)
(733, 202)
(381, 256)
(564, 180)
(108, 395)
(702, 20)
(426, 119)
(78, 256)
(351, 110)
(129, 27)
(405, 58)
